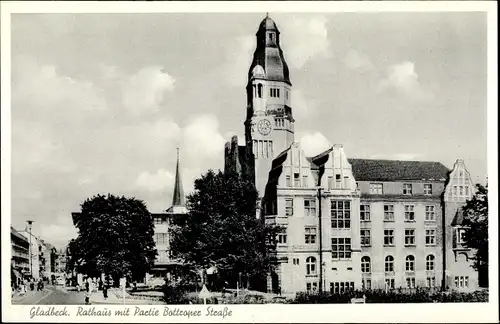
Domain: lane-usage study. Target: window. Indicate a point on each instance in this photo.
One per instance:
(161, 238)
(389, 283)
(288, 181)
(365, 264)
(295, 261)
(289, 206)
(311, 266)
(410, 282)
(454, 190)
(367, 284)
(341, 287)
(330, 183)
(271, 36)
(341, 248)
(431, 282)
(376, 188)
(310, 206)
(388, 213)
(409, 236)
(388, 237)
(274, 93)
(365, 237)
(341, 213)
(282, 237)
(296, 180)
(430, 214)
(429, 262)
(312, 286)
(304, 182)
(462, 282)
(310, 236)
(159, 220)
(430, 237)
(364, 212)
(259, 90)
(427, 189)
(409, 213)
(389, 263)
(410, 263)
(407, 189)
(460, 236)
(466, 190)
(461, 190)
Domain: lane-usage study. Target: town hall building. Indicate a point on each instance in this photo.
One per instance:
(348, 223)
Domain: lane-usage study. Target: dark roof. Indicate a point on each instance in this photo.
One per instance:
(394, 170)
(14, 232)
(268, 24)
(269, 55)
(459, 218)
(178, 196)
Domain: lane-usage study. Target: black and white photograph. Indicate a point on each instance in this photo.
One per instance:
(172, 160)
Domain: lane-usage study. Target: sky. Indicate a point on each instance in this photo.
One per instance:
(100, 102)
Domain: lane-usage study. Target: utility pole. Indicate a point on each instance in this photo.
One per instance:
(320, 242)
(30, 223)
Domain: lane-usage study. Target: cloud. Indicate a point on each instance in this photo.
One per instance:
(313, 143)
(144, 91)
(58, 232)
(238, 57)
(304, 39)
(355, 60)
(202, 140)
(156, 181)
(303, 107)
(43, 87)
(403, 78)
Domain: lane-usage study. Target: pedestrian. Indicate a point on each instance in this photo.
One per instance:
(87, 285)
(105, 291)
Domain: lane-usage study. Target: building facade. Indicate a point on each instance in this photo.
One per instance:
(35, 253)
(163, 222)
(347, 223)
(20, 265)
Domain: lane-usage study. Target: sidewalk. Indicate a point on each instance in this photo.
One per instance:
(115, 297)
(17, 297)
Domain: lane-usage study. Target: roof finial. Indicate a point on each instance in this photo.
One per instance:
(267, 14)
(177, 154)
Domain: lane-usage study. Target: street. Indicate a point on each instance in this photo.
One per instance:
(53, 295)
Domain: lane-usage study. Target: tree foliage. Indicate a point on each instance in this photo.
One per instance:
(476, 223)
(115, 236)
(222, 230)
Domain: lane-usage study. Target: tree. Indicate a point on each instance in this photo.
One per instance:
(222, 230)
(115, 237)
(476, 234)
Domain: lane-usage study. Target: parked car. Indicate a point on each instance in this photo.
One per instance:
(60, 281)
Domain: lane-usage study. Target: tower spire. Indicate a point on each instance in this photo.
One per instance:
(178, 198)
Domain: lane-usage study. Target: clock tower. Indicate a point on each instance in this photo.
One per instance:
(269, 125)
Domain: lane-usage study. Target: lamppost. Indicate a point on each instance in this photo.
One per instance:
(30, 223)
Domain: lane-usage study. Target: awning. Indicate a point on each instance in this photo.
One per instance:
(16, 273)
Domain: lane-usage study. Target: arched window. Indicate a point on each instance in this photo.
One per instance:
(410, 263)
(429, 262)
(311, 265)
(365, 264)
(259, 90)
(389, 263)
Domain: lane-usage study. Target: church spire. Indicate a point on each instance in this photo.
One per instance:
(178, 198)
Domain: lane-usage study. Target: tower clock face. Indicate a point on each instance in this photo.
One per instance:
(264, 127)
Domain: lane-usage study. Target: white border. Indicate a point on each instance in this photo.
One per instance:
(431, 313)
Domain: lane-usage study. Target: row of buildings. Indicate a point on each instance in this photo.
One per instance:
(348, 223)
(40, 261)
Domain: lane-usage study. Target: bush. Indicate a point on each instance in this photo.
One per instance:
(418, 295)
